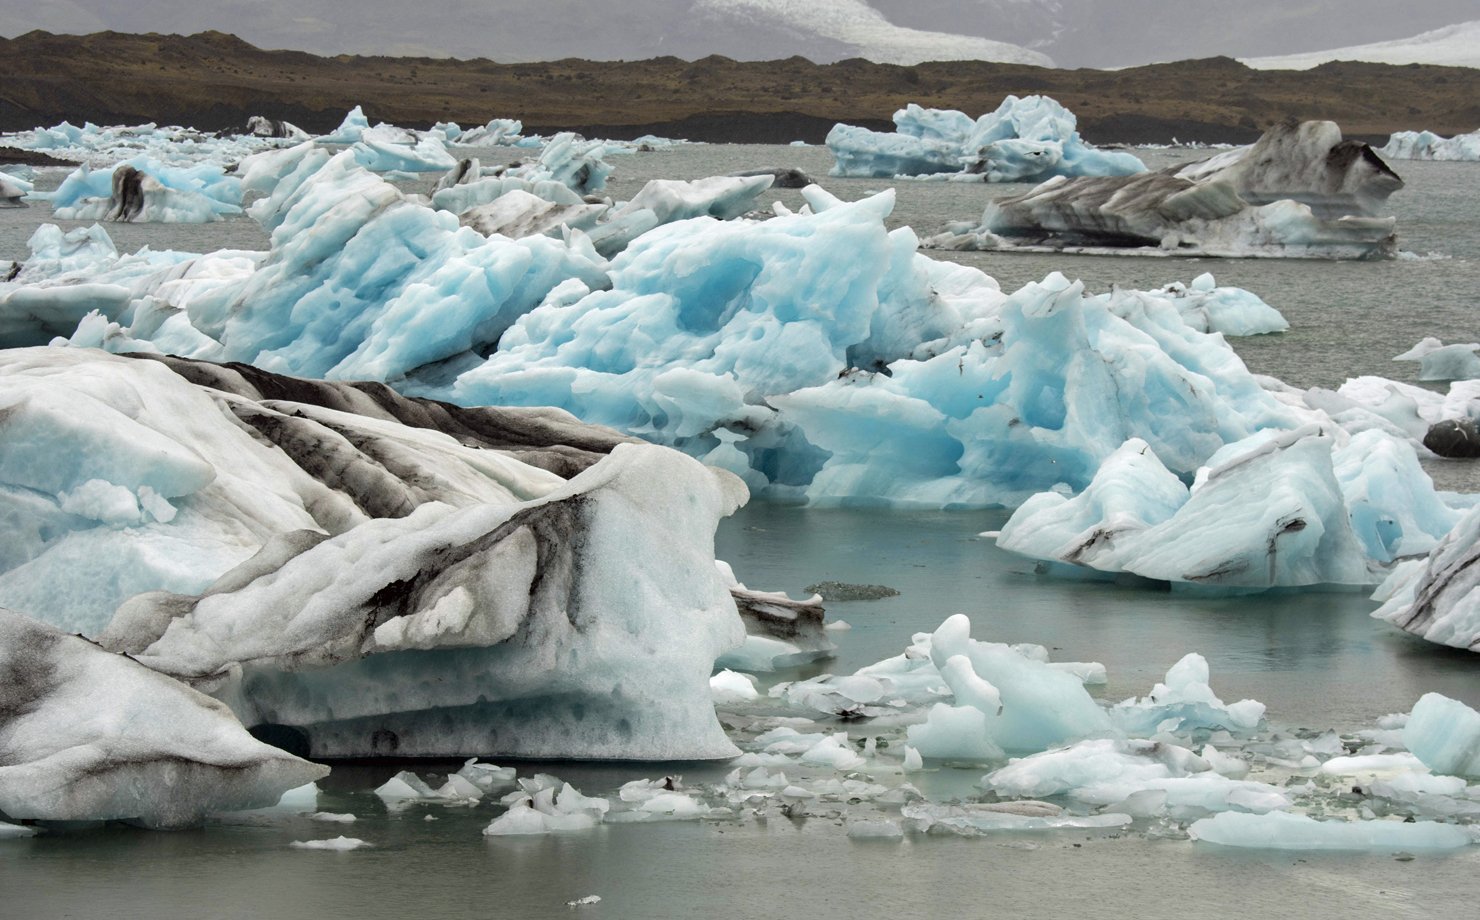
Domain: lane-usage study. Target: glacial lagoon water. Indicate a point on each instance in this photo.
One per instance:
(1316, 659)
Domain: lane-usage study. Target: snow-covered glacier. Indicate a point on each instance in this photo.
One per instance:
(1300, 191)
(1026, 139)
(310, 553)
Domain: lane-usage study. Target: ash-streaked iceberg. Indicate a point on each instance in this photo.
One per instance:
(1300, 191)
(1026, 139)
(581, 624)
(1438, 597)
(146, 190)
(311, 553)
(86, 735)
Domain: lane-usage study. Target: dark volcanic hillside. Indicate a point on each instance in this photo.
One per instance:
(212, 80)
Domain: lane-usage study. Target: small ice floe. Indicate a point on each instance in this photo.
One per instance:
(883, 829)
(582, 902)
(13, 831)
(547, 810)
(334, 843)
(1280, 830)
(332, 817)
(1142, 778)
(973, 819)
(657, 800)
(464, 787)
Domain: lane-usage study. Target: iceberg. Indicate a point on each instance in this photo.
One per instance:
(1026, 139)
(1426, 145)
(1279, 509)
(1300, 191)
(145, 190)
(386, 149)
(13, 190)
(1438, 598)
(307, 551)
(512, 608)
(91, 736)
(1438, 361)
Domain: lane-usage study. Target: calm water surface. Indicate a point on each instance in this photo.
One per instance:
(1317, 660)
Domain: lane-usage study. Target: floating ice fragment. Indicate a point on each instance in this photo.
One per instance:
(339, 844)
(1283, 831)
(882, 829)
(1445, 735)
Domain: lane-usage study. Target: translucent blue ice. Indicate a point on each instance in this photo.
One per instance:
(1024, 140)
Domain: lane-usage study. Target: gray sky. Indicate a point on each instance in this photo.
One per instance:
(1074, 33)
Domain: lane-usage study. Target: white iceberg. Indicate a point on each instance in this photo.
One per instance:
(1426, 145)
(92, 736)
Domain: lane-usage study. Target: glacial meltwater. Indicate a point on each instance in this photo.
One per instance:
(1315, 659)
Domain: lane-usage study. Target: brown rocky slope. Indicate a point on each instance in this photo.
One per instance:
(215, 81)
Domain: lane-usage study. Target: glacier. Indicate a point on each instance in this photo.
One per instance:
(1299, 191)
(91, 736)
(1026, 139)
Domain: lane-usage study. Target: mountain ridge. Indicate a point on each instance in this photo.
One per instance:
(215, 80)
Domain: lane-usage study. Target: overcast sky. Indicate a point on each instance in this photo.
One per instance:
(1072, 33)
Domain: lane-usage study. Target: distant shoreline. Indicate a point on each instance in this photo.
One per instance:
(215, 81)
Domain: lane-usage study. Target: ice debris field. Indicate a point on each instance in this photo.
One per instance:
(439, 476)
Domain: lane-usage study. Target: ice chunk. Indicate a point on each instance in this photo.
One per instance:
(1185, 702)
(1283, 831)
(337, 844)
(1005, 700)
(973, 819)
(332, 817)
(729, 687)
(549, 811)
(883, 829)
(1445, 735)
(91, 736)
(15, 831)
